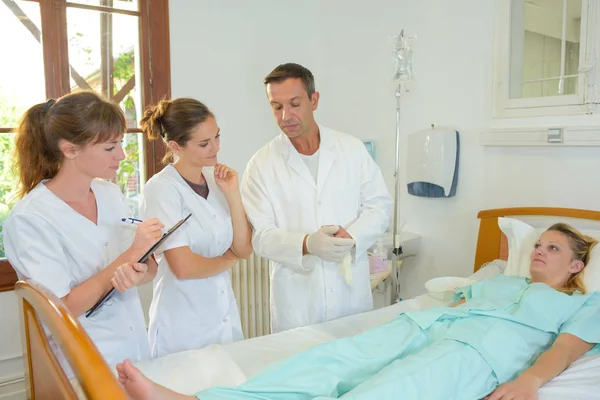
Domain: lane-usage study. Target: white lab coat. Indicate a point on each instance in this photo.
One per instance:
(190, 313)
(284, 204)
(49, 242)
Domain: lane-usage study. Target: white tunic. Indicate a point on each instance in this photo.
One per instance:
(50, 243)
(190, 313)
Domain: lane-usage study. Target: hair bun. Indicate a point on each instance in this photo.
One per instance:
(48, 104)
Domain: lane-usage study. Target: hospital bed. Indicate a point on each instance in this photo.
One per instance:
(194, 370)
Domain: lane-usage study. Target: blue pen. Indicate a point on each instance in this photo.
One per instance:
(132, 220)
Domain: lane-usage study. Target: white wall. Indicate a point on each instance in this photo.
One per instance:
(11, 364)
(220, 53)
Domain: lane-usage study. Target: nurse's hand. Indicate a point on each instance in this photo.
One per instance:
(226, 178)
(128, 275)
(522, 388)
(147, 233)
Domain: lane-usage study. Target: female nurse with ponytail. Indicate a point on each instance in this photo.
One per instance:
(193, 304)
(67, 234)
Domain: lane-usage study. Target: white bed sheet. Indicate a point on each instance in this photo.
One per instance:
(192, 371)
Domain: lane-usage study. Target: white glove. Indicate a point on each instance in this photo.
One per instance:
(323, 245)
(345, 269)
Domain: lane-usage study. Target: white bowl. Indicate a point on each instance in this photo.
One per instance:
(442, 288)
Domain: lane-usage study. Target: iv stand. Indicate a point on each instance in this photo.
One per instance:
(402, 74)
(397, 250)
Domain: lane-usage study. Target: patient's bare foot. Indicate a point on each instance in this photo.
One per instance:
(139, 387)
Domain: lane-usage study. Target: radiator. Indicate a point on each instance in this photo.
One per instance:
(250, 280)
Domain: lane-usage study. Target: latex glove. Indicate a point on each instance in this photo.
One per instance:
(345, 268)
(323, 245)
(342, 233)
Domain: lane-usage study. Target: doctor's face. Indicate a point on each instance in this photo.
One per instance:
(552, 259)
(291, 106)
(203, 145)
(96, 160)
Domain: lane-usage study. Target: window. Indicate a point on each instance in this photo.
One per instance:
(83, 44)
(546, 57)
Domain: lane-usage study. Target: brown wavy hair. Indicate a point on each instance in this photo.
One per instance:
(80, 118)
(174, 120)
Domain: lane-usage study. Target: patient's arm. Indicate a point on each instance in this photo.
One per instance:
(566, 349)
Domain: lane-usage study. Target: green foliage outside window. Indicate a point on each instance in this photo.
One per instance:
(10, 113)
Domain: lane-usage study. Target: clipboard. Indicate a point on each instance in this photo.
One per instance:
(143, 259)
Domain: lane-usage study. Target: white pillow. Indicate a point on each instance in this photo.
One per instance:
(521, 239)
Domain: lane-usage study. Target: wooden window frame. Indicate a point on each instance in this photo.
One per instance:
(155, 82)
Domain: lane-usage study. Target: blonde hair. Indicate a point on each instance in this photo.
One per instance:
(581, 245)
(174, 120)
(80, 118)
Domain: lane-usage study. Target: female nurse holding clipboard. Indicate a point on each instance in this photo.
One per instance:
(67, 232)
(193, 304)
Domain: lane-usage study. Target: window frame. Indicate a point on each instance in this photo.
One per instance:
(588, 96)
(155, 69)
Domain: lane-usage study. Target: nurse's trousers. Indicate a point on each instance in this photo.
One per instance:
(397, 360)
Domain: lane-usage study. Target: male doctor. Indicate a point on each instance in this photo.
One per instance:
(316, 201)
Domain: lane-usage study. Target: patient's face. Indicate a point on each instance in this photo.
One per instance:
(551, 258)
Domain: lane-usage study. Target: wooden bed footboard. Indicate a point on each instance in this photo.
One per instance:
(44, 376)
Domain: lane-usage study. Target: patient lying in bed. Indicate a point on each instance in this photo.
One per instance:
(503, 338)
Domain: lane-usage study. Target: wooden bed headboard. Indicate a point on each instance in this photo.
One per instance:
(44, 376)
(491, 242)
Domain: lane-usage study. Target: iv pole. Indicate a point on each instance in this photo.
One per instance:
(402, 74)
(397, 251)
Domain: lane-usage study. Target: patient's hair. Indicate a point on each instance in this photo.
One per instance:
(174, 120)
(80, 118)
(291, 70)
(581, 245)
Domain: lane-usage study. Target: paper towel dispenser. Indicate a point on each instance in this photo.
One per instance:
(432, 162)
